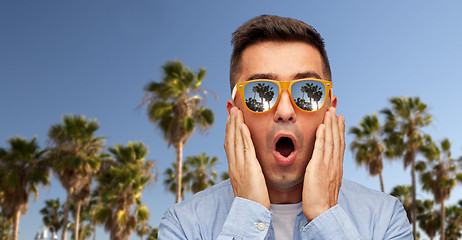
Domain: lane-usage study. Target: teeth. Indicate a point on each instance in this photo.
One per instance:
(285, 146)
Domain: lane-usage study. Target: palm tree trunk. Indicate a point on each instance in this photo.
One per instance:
(66, 214)
(414, 212)
(82, 235)
(382, 184)
(94, 231)
(17, 215)
(179, 174)
(443, 217)
(77, 220)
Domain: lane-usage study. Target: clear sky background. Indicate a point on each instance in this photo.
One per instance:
(94, 58)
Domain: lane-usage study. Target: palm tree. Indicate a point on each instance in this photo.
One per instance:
(52, 214)
(198, 174)
(261, 89)
(143, 229)
(454, 219)
(310, 90)
(90, 210)
(254, 105)
(314, 93)
(439, 173)
(5, 225)
(404, 121)
(119, 190)
(304, 89)
(268, 95)
(22, 169)
(404, 194)
(301, 103)
(317, 96)
(171, 179)
(4, 219)
(224, 175)
(429, 219)
(153, 234)
(176, 107)
(201, 174)
(85, 230)
(86, 226)
(75, 157)
(368, 146)
(255, 90)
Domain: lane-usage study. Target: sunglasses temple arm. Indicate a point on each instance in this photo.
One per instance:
(233, 94)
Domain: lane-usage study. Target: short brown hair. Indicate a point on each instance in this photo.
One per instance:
(274, 28)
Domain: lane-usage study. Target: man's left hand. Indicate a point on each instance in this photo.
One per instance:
(323, 175)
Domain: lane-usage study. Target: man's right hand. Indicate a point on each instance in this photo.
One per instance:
(245, 172)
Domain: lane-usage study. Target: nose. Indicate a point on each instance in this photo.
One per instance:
(285, 111)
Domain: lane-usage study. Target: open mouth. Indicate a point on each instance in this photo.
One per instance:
(285, 146)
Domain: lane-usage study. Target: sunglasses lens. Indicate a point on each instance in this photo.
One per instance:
(309, 95)
(260, 96)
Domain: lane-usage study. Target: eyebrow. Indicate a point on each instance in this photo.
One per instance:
(269, 76)
(272, 76)
(307, 75)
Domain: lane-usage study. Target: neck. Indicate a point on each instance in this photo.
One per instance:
(289, 195)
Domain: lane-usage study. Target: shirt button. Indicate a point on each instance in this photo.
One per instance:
(261, 226)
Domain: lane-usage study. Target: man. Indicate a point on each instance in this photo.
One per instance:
(285, 146)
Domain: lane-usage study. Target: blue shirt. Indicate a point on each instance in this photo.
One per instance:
(215, 213)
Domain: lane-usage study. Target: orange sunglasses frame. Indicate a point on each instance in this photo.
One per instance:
(282, 85)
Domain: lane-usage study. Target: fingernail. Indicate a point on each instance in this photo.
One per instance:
(233, 110)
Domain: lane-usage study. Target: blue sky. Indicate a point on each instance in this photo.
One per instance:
(94, 58)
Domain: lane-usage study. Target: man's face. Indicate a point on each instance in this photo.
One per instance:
(284, 136)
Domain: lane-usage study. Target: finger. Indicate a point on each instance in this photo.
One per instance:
(329, 142)
(318, 151)
(336, 138)
(342, 133)
(229, 140)
(228, 129)
(343, 144)
(249, 149)
(238, 142)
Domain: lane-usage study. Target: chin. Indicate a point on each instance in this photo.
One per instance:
(284, 180)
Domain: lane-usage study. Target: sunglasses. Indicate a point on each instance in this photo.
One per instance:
(261, 96)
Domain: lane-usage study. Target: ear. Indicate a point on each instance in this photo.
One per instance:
(333, 101)
(230, 104)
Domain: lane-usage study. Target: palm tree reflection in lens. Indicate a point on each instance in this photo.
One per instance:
(314, 92)
(265, 93)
